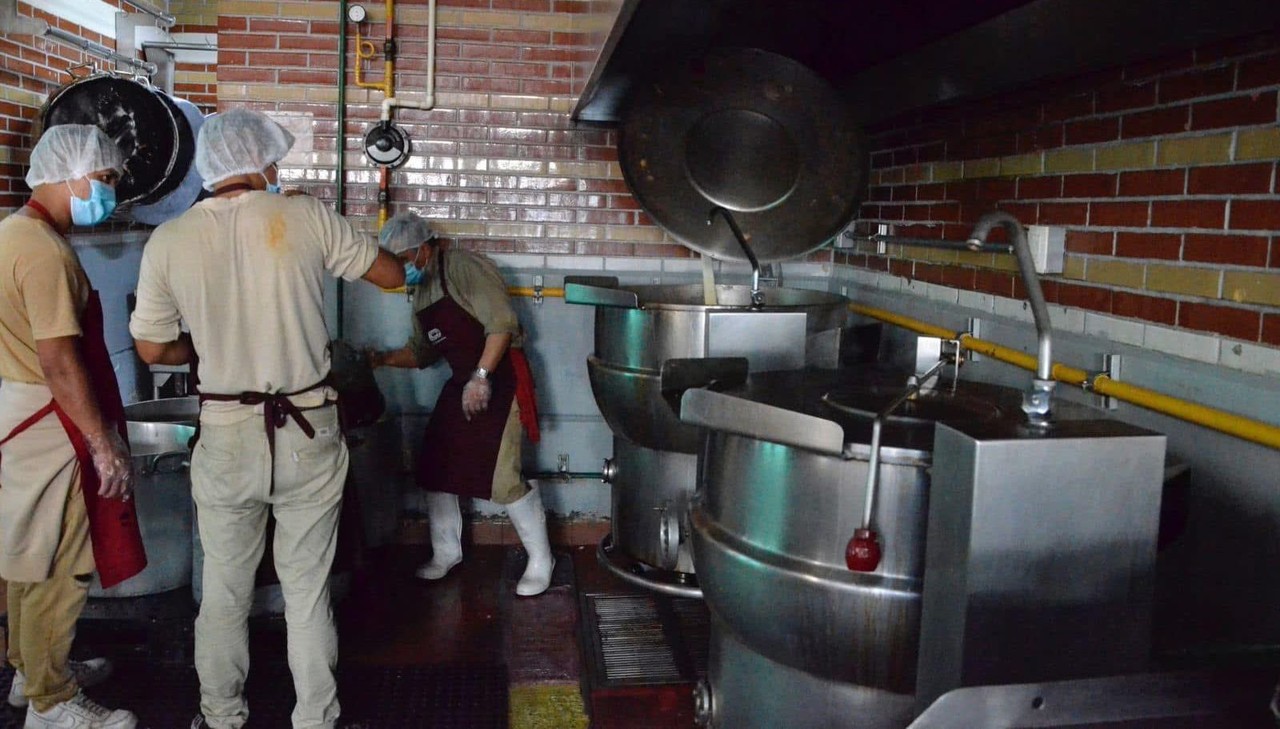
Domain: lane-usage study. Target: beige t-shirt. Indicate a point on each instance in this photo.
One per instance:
(477, 285)
(43, 290)
(246, 274)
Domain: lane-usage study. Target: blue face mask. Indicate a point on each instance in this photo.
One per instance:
(274, 188)
(99, 206)
(412, 274)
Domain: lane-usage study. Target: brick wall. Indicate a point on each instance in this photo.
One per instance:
(1163, 174)
(197, 83)
(31, 68)
(497, 164)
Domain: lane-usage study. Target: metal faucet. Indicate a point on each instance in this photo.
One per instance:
(757, 296)
(1036, 402)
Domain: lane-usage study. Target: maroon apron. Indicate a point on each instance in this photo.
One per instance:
(458, 455)
(113, 523)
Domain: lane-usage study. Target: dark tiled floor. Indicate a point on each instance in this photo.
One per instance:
(445, 654)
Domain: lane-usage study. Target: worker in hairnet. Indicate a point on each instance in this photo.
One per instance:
(65, 470)
(472, 442)
(245, 270)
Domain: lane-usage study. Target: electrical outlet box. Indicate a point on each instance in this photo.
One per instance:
(1048, 247)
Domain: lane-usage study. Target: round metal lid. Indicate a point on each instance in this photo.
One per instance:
(150, 129)
(753, 132)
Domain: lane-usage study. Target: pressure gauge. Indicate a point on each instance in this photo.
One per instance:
(357, 13)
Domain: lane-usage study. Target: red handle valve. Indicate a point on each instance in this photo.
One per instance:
(863, 552)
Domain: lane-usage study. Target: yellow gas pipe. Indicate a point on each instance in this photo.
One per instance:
(1254, 431)
(365, 51)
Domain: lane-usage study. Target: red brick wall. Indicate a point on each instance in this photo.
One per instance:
(31, 68)
(1163, 174)
(498, 163)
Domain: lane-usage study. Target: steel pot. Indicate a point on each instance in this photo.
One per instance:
(781, 491)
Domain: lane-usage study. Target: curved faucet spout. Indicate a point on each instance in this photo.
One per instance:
(1037, 403)
(757, 296)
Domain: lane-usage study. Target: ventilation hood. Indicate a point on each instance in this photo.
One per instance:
(888, 58)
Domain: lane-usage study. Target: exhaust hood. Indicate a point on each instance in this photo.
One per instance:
(888, 58)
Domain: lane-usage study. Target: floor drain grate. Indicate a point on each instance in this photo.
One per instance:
(638, 640)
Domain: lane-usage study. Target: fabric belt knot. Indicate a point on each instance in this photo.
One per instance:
(277, 409)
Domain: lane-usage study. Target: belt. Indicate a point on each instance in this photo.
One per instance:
(277, 409)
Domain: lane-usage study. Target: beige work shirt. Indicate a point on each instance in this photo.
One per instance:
(477, 285)
(246, 274)
(43, 290)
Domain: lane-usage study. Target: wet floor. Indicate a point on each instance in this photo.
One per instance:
(460, 652)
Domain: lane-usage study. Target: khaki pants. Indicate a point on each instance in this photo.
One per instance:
(508, 482)
(42, 615)
(231, 484)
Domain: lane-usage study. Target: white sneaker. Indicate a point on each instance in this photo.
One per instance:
(87, 673)
(80, 712)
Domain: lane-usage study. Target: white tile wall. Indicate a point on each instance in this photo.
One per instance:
(1202, 347)
(1124, 331)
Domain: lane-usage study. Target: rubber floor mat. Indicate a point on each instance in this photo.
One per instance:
(373, 697)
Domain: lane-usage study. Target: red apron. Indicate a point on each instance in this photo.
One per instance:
(113, 523)
(458, 455)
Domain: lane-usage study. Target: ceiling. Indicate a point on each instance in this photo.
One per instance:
(893, 56)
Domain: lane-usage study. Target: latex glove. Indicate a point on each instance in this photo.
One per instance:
(475, 397)
(112, 462)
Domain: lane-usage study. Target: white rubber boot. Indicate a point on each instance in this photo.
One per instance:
(446, 535)
(530, 521)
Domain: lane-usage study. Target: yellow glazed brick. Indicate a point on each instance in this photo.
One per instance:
(462, 101)
(932, 255)
(971, 258)
(1024, 164)
(614, 171)
(323, 94)
(894, 176)
(1258, 144)
(981, 168)
(1182, 280)
(1068, 160)
(21, 96)
(1126, 157)
(1195, 151)
(1073, 267)
(195, 77)
(1252, 288)
(513, 230)
(458, 229)
(308, 11)
(524, 103)
(575, 232)
(594, 22)
(275, 93)
(1004, 262)
(578, 169)
(232, 92)
(483, 19)
(634, 234)
(249, 8)
(1115, 273)
(916, 173)
(947, 171)
(562, 104)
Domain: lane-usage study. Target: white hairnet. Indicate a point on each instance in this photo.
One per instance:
(71, 151)
(239, 142)
(404, 231)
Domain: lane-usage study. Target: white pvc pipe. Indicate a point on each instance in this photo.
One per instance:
(390, 103)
